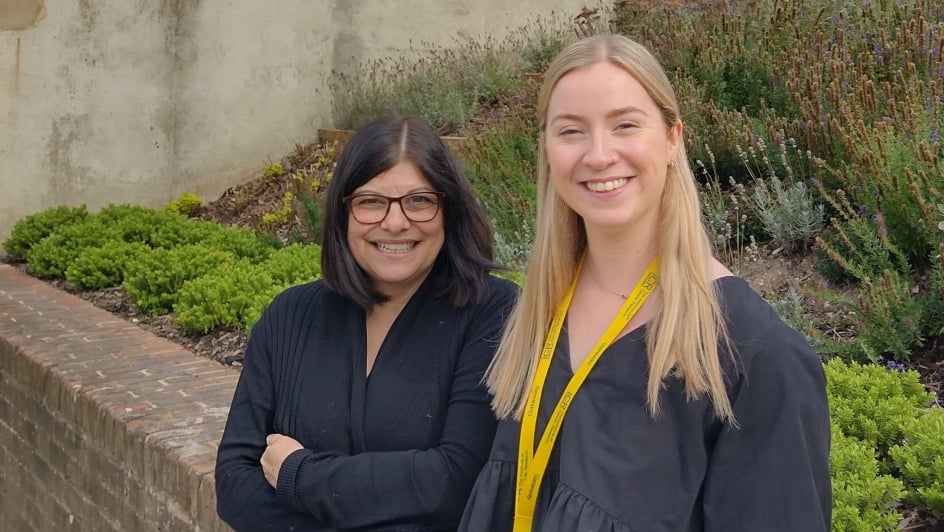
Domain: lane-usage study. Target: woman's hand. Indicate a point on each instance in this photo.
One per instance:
(278, 447)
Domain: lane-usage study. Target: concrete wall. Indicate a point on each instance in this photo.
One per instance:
(138, 101)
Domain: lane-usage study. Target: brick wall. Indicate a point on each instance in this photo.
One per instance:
(103, 426)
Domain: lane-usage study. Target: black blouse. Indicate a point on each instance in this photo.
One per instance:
(399, 450)
(615, 468)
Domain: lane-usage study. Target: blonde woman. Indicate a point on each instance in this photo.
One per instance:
(640, 384)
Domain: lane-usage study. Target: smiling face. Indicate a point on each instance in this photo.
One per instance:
(396, 253)
(608, 148)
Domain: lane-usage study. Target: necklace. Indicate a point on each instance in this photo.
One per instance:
(605, 289)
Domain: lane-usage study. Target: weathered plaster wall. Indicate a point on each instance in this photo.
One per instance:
(113, 101)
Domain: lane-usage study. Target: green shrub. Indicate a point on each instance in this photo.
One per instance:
(864, 500)
(873, 404)
(900, 181)
(235, 294)
(154, 280)
(241, 242)
(920, 459)
(294, 264)
(104, 266)
(890, 317)
(543, 41)
(825, 265)
(261, 299)
(116, 212)
(28, 231)
(933, 313)
(224, 297)
(54, 254)
(179, 231)
(310, 213)
(888, 313)
(185, 205)
(133, 223)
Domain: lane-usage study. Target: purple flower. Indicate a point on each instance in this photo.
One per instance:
(891, 364)
(897, 366)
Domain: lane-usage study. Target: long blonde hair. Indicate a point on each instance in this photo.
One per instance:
(683, 338)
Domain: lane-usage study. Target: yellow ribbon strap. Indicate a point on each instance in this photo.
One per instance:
(531, 466)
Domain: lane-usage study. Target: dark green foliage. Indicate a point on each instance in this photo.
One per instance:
(825, 265)
(310, 214)
(28, 231)
(891, 317)
(887, 311)
(154, 280)
(104, 266)
(748, 84)
(542, 47)
(933, 314)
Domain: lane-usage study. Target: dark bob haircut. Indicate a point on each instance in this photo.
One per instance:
(461, 269)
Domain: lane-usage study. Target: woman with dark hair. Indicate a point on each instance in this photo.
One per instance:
(360, 404)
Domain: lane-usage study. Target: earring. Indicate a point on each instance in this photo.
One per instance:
(671, 164)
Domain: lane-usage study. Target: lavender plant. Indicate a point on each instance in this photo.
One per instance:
(442, 86)
(785, 206)
(725, 215)
(501, 163)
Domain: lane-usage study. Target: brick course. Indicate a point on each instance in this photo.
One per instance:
(103, 426)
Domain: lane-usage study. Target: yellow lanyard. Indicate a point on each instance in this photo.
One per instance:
(531, 467)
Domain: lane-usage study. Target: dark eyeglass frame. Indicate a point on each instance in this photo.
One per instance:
(390, 200)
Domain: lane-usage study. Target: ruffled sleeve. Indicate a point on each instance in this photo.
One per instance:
(771, 472)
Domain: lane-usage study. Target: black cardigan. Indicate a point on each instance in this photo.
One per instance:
(399, 450)
(615, 468)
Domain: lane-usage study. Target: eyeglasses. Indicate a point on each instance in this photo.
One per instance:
(373, 208)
